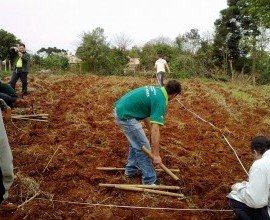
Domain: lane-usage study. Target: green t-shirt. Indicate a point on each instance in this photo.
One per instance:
(143, 102)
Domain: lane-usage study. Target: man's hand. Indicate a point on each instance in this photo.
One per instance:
(157, 160)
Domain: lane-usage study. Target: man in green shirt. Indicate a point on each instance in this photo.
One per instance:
(148, 103)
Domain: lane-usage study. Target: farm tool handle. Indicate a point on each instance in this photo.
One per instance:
(145, 150)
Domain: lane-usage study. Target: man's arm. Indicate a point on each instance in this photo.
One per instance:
(155, 138)
(25, 57)
(155, 66)
(147, 124)
(168, 68)
(254, 193)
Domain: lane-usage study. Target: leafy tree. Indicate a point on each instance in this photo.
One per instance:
(193, 55)
(233, 26)
(51, 50)
(190, 41)
(134, 52)
(150, 52)
(183, 66)
(7, 40)
(179, 43)
(264, 68)
(93, 48)
(161, 41)
(122, 42)
(148, 57)
(259, 10)
(114, 62)
(36, 60)
(55, 62)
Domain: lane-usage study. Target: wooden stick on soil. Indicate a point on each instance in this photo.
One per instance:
(30, 116)
(35, 117)
(34, 196)
(122, 169)
(51, 158)
(142, 186)
(145, 150)
(31, 119)
(131, 188)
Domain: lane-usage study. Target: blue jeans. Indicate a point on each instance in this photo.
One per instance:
(137, 159)
(160, 77)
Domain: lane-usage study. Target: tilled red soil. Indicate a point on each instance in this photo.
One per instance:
(55, 162)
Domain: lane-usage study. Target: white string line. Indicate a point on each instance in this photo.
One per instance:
(132, 207)
(218, 130)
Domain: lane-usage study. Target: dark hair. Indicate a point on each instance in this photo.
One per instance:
(173, 87)
(21, 44)
(260, 144)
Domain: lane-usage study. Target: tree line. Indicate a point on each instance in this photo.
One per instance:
(239, 46)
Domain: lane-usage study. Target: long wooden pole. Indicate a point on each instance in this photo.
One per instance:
(142, 186)
(145, 150)
(149, 191)
(32, 116)
(122, 169)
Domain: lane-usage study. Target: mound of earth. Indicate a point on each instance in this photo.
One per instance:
(55, 162)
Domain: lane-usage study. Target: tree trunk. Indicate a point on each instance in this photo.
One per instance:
(254, 60)
(232, 71)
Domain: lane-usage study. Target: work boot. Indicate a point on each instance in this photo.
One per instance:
(156, 183)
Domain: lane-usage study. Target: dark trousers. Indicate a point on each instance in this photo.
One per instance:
(2, 188)
(8, 99)
(19, 74)
(244, 212)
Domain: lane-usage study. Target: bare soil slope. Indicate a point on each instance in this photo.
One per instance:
(55, 162)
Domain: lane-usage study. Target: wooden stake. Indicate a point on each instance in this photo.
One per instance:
(142, 186)
(19, 206)
(51, 158)
(31, 119)
(35, 117)
(131, 188)
(32, 116)
(145, 150)
(122, 169)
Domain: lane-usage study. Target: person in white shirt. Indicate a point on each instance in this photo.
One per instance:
(161, 65)
(251, 199)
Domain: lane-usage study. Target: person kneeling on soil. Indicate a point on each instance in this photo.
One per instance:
(251, 200)
(8, 94)
(6, 169)
(147, 103)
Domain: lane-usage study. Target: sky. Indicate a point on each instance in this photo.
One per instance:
(61, 23)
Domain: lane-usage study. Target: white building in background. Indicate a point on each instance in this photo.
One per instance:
(72, 59)
(133, 65)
